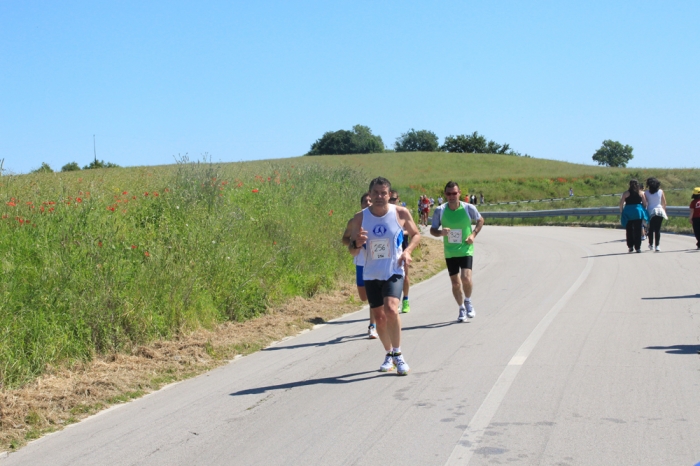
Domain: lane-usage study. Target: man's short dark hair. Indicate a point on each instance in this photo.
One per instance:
(393, 191)
(380, 181)
(451, 184)
(363, 197)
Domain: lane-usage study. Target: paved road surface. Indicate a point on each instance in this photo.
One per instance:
(580, 354)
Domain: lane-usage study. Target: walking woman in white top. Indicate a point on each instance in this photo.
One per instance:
(656, 207)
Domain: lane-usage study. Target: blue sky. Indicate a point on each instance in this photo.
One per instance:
(265, 79)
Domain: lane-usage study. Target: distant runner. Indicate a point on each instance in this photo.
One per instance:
(359, 262)
(425, 210)
(456, 219)
(381, 228)
(394, 198)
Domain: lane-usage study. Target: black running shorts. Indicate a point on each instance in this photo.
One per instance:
(456, 263)
(377, 290)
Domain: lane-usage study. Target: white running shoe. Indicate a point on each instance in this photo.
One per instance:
(388, 363)
(658, 249)
(372, 332)
(462, 314)
(470, 309)
(651, 247)
(401, 366)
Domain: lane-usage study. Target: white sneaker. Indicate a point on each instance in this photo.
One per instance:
(372, 332)
(388, 363)
(658, 249)
(470, 309)
(462, 314)
(401, 366)
(651, 247)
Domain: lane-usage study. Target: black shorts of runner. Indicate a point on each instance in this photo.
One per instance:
(456, 263)
(377, 290)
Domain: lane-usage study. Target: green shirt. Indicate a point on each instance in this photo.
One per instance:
(457, 220)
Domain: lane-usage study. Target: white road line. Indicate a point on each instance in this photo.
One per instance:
(472, 435)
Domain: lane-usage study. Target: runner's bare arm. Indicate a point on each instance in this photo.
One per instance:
(346, 233)
(439, 232)
(358, 236)
(414, 233)
(477, 229)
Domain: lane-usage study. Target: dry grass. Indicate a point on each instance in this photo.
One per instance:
(68, 394)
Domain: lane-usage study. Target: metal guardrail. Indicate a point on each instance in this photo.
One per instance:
(671, 211)
(568, 198)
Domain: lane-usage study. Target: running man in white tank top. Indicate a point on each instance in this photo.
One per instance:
(380, 227)
(359, 261)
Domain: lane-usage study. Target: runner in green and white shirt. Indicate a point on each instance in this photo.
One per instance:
(461, 223)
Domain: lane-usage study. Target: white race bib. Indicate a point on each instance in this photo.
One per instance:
(454, 236)
(379, 249)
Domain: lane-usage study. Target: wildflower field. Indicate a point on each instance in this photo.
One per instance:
(96, 261)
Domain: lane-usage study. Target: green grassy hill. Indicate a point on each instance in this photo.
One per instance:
(502, 178)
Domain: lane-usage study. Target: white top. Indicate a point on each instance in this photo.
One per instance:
(383, 247)
(653, 200)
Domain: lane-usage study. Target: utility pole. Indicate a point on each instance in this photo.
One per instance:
(94, 149)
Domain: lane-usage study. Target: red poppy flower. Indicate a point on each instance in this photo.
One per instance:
(145, 253)
(99, 243)
(78, 199)
(145, 194)
(330, 213)
(11, 204)
(133, 246)
(255, 190)
(124, 193)
(156, 194)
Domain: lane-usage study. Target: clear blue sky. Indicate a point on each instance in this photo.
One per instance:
(265, 79)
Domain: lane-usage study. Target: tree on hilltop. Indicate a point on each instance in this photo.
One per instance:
(70, 167)
(358, 141)
(613, 154)
(44, 168)
(474, 143)
(417, 141)
(100, 164)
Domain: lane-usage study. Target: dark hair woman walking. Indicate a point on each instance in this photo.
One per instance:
(656, 208)
(633, 205)
(695, 215)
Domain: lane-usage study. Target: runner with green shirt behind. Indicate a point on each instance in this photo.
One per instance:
(457, 219)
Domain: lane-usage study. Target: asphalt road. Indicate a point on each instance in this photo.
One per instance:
(580, 354)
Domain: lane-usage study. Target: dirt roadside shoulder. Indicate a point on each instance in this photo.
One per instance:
(66, 395)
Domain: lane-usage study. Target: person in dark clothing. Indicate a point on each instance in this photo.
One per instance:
(633, 205)
(695, 215)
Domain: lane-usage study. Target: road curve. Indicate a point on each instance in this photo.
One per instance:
(580, 354)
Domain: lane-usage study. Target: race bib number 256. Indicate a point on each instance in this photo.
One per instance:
(379, 248)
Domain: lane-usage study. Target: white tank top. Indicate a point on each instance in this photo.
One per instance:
(653, 200)
(383, 247)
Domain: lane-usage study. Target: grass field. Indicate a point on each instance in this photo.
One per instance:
(100, 260)
(97, 261)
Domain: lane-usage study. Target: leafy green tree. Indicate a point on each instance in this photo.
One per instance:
(414, 141)
(45, 168)
(613, 154)
(358, 141)
(474, 143)
(70, 167)
(100, 164)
